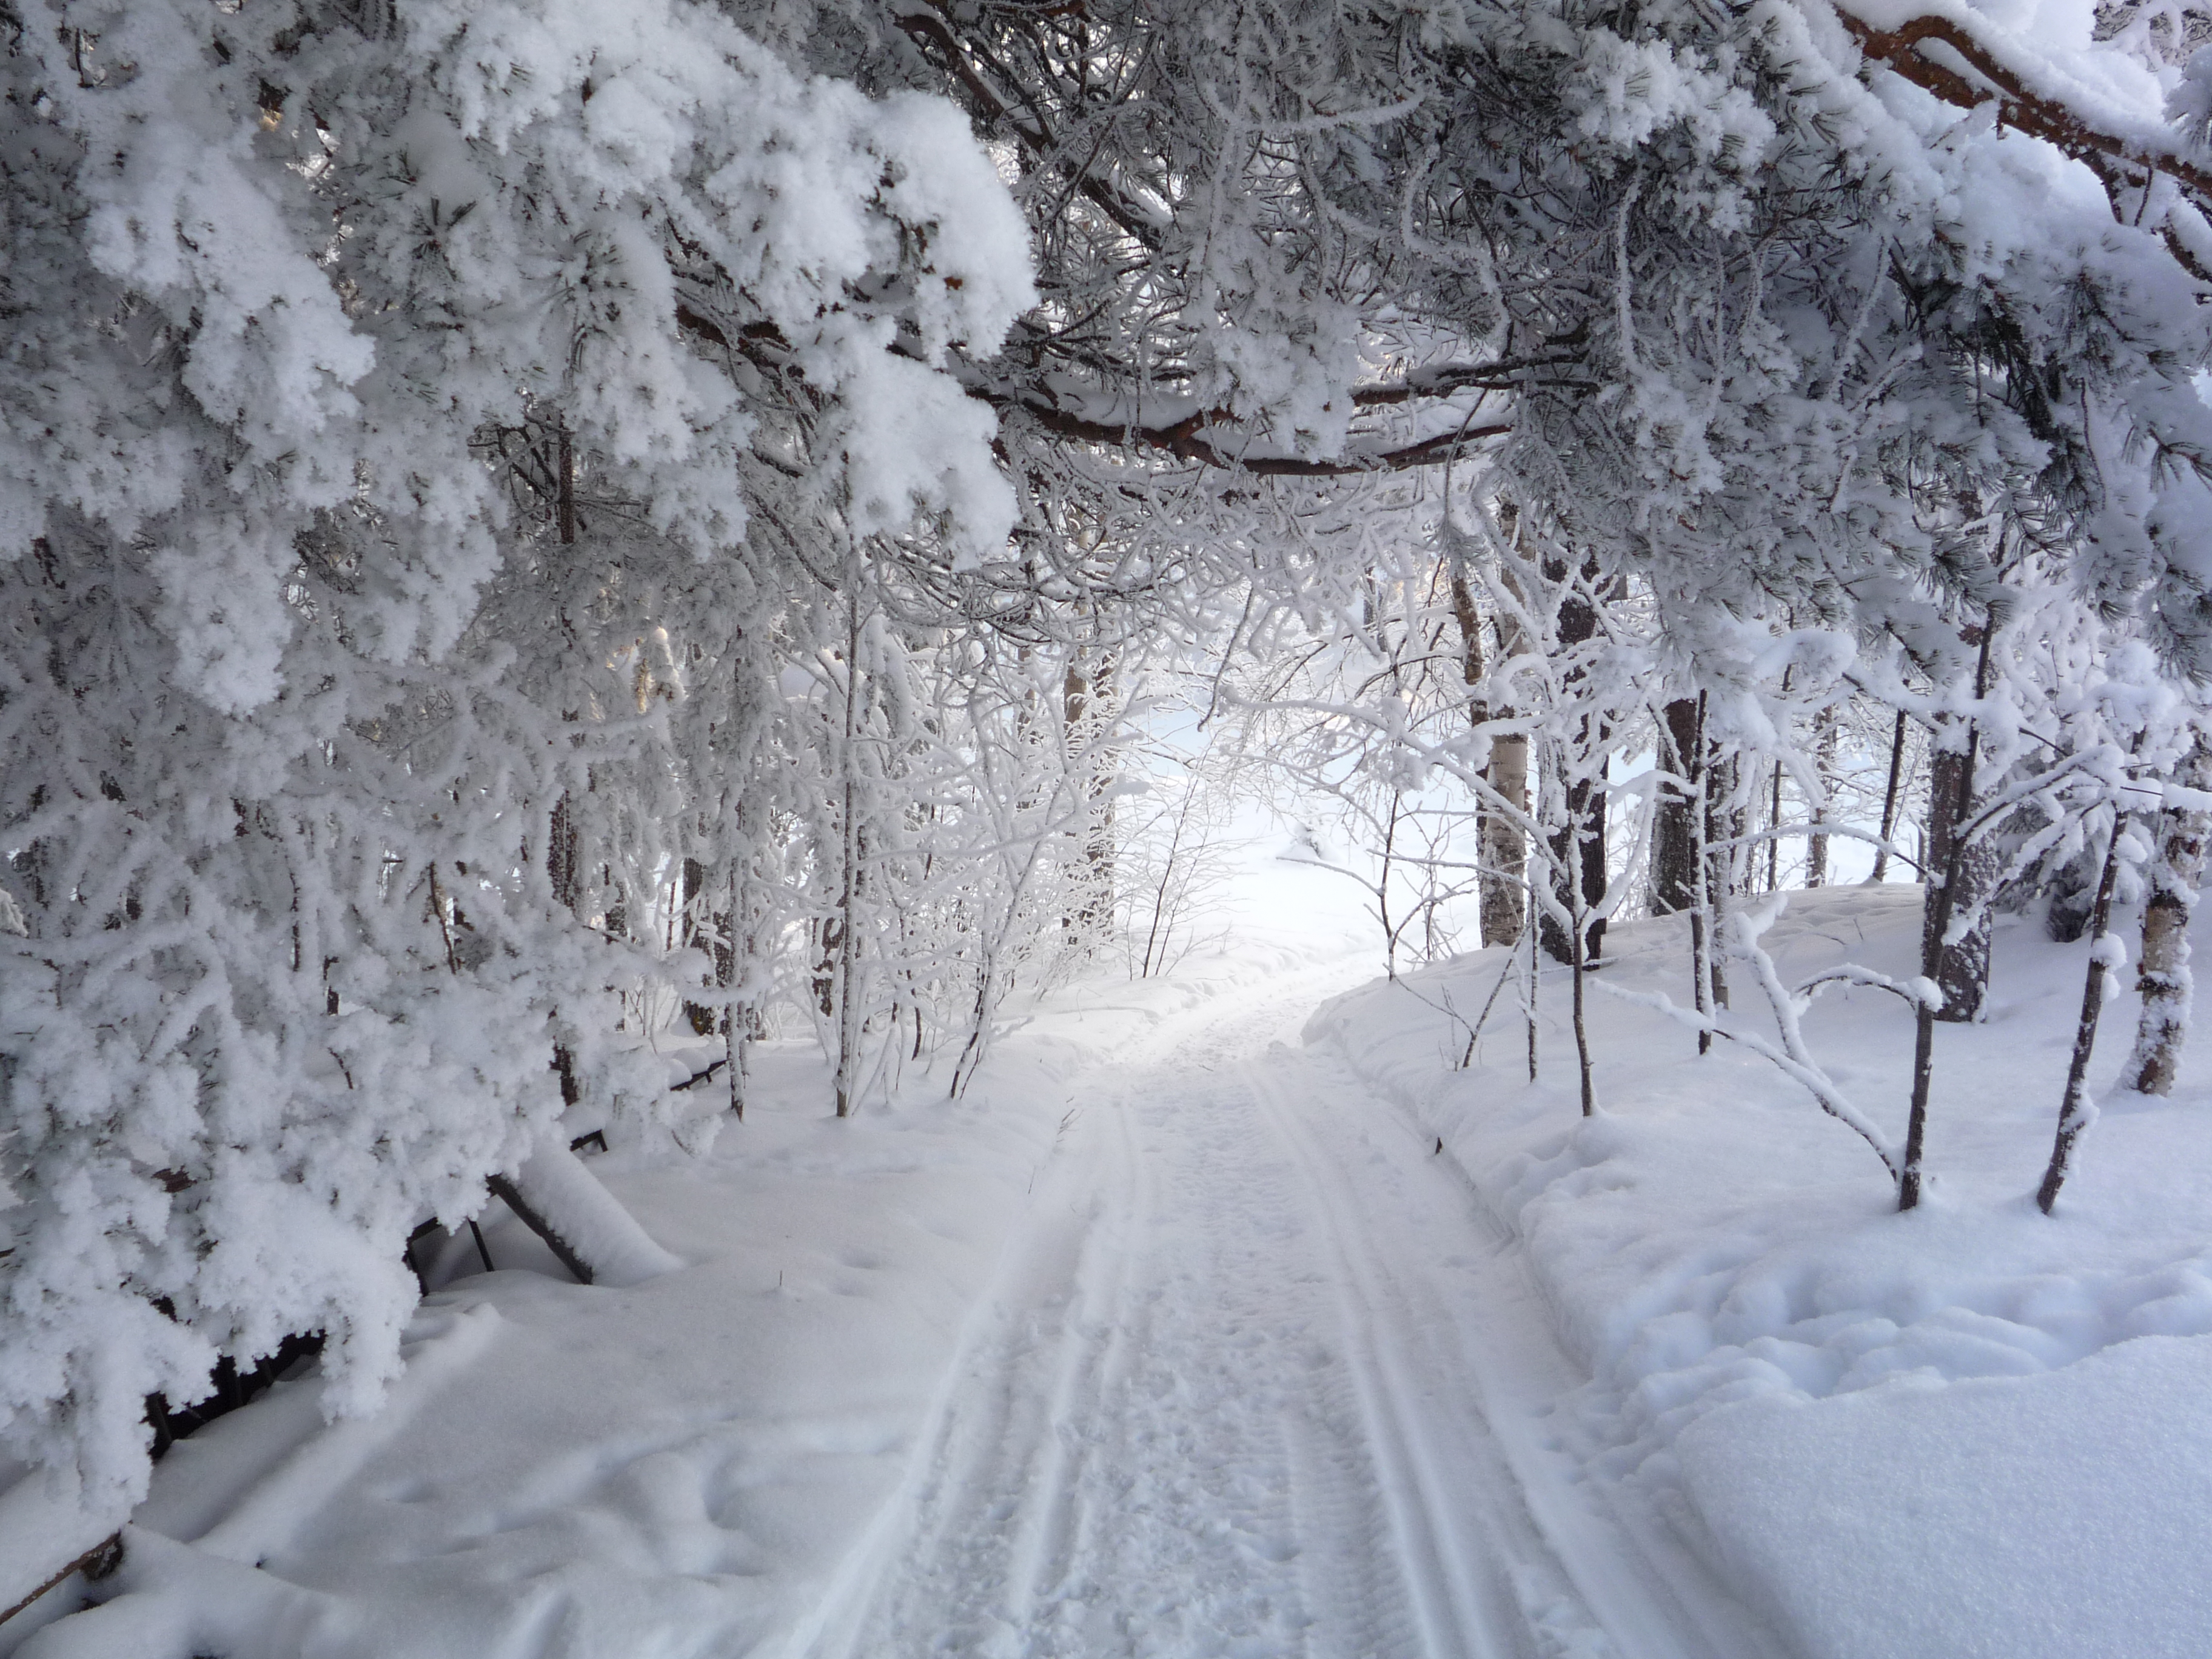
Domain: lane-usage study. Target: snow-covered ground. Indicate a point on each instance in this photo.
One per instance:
(697, 1464)
(1179, 1337)
(1970, 1430)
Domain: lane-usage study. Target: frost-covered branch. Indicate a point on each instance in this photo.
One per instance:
(1792, 1056)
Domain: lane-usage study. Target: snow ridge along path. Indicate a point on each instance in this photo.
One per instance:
(1241, 1390)
(1169, 1341)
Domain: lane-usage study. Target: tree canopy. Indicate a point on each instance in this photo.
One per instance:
(501, 498)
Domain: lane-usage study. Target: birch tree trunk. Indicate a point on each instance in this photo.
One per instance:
(1816, 852)
(1502, 848)
(2163, 975)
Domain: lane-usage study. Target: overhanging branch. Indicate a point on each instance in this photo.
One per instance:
(2118, 162)
(1192, 438)
(1189, 440)
(927, 31)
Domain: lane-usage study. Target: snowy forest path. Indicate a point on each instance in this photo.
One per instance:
(1240, 1391)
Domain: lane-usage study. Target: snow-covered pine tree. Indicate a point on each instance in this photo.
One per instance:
(293, 691)
(388, 381)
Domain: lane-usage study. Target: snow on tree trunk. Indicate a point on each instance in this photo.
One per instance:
(1674, 839)
(1578, 871)
(1501, 843)
(1718, 871)
(1577, 838)
(1951, 795)
(554, 1193)
(845, 987)
(1085, 689)
(2163, 974)
(1960, 965)
(2077, 1110)
(1816, 853)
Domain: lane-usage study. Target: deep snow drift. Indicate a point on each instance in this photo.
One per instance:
(1970, 1430)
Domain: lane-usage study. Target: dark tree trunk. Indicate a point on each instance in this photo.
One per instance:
(2068, 896)
(2077, 1111)
(560, 856)
(1675, 832)
(1582, 1029)
(1689, 872)
(1962, 969)
(504, 1189)
(1577, 846)
(1083, 691)
(1529, 1002)
(1889, 799)
(1950, 806)
(561, 872)
(563, 851)
(1774, 829)
(1722, 824)
(565, 499)
(707, 931)
(844, 967)
(825, 965)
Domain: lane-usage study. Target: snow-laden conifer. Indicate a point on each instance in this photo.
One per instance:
(318, 319)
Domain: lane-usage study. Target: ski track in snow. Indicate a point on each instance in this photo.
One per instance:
(1257, 1376)
(1228, 1397)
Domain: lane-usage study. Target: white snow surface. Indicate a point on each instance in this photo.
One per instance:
(554, 1181)
(1109, 1357)
(1172, 1339)
(1970, 1430)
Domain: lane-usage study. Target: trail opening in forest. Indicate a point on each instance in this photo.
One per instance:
(1092, 829)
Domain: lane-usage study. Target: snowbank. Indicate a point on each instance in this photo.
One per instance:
(2046, 1516)
(702, 1452)
(1877, 1424)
